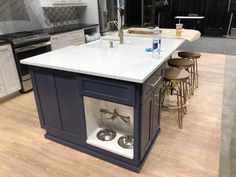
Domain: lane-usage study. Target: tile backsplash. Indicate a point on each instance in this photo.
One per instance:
(61, 15)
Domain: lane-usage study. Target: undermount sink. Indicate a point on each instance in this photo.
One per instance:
(110, 38)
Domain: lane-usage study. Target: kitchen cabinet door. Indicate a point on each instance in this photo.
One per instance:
(80, 2)
(2, 87)
(70, 2)
(64, 41)
(46, 3)
(147, 113)
(46, 89)
(76, 37)
(56, 42)
(8, 70)
(156, 111)
(59, 104)
(67, 39)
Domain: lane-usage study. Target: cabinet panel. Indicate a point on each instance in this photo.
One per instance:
(70, 2)
(1, 80)
(115, 91)
(46, 3)
(67, 39)
(48, 100)
(55, 42)
(2, 91)
(147, 109)
(156, 111)
(67, 91)
(76, 37)
(8, 70)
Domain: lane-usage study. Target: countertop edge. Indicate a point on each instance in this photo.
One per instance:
(84, 72)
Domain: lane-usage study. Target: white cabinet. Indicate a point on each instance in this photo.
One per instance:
(46, 3)
(50, 3)
(67, 39)
(70, 2)
(9, 80)
(2, 87)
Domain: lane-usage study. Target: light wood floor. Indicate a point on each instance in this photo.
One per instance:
(190, 152)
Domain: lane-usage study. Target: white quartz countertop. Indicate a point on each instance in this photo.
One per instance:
(127, 62)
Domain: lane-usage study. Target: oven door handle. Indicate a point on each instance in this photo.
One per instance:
(32, 47)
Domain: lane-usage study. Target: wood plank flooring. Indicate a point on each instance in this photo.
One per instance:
(190, 152)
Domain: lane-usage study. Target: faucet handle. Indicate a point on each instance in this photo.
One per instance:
(111, 44)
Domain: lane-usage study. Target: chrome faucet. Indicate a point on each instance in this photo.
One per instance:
(120, 30)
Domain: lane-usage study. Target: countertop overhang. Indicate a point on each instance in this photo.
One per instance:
(128, 62)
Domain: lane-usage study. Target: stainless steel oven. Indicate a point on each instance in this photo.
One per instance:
(28, 47)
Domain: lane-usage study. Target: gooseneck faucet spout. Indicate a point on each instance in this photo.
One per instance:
(120, 30)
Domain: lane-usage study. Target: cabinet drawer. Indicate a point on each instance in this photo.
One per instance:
(152, 82)
(79, 33)
(111, 90)
(76, 41)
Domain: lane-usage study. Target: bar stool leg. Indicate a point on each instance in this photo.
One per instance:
(196, 73)
(193, 77)
(185, 95)
(179, 111)
(181, 106)
(164, 92)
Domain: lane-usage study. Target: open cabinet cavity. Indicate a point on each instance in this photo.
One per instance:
(108, 117)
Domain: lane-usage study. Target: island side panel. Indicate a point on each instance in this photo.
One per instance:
(59, 104)
(47, 99)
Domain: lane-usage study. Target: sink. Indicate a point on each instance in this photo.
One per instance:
(110, 38)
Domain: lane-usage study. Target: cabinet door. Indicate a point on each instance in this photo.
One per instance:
(70, 2)
(46, 90)
(60, 1)
(70, 103)
(8, 70)
(56, 42)
(46, 3)
(79, 2)
(147, 112)
(156, 111)
(2, 87)
(76, 37)
(64, 41)
(59, 105)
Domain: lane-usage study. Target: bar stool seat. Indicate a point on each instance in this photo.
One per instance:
(174, 74)
(187, 65)
(189, 55)
(194, 56)
(175, 82)
(180, 62)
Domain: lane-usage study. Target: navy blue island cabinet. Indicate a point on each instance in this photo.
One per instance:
(62, 97)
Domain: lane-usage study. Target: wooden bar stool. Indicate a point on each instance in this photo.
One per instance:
(175, 83)
(188, 66)
(192, 56)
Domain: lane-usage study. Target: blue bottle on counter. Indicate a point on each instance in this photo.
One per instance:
(156, 48)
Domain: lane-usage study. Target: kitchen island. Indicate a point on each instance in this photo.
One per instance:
(80, 90)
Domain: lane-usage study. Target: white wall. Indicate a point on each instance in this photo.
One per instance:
(90, 13)
(35, 21)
